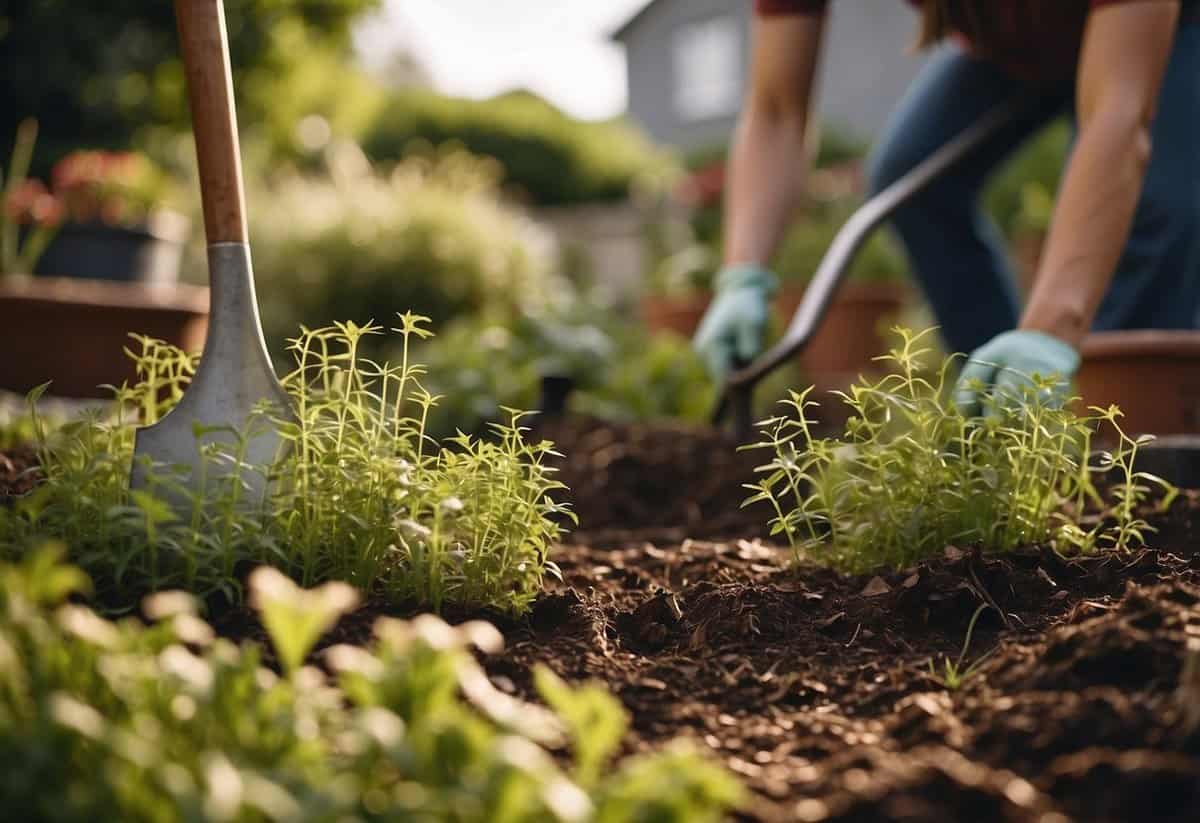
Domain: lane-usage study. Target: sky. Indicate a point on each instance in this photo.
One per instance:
(476, 48)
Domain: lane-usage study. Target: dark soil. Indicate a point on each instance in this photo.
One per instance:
(816, 687)
(672, 482)
(18, 471)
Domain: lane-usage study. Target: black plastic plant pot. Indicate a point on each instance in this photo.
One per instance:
(149, 253)
(1175, 458)
(556, 388)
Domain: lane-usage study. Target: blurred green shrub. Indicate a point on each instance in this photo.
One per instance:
(549, 156)
(619, 371)
(432, 236)
(1021, 195)
(164, 722)
(811, 235)
(109, 74)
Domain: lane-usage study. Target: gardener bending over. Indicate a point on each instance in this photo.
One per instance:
(1123, 248)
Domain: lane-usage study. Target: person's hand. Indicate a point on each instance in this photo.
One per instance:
(735, 325)
(1000, 373)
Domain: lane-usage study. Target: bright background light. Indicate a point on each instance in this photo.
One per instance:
(477, 48)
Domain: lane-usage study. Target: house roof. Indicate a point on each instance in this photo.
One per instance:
(624, 28)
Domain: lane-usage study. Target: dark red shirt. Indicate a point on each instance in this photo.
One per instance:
(1038, 40)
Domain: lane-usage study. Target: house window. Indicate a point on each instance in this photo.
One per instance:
(707, 71)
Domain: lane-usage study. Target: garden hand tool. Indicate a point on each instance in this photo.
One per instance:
(737, 395)
(997, 371)
(234, 374)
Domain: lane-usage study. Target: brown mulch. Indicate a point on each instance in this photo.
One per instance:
(816, 687)
(674, 481)
(18, 471)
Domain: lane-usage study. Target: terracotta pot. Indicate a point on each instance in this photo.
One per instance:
(680, 314)
(853, 331)
(1154, 376)
(73, 332)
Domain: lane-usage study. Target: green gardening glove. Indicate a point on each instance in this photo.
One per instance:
(1000, 373)
(735, 325)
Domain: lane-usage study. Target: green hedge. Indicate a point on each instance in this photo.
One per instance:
(432, 236)
(554, 159)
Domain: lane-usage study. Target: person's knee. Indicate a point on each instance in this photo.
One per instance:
(884, 167)
(891, 163)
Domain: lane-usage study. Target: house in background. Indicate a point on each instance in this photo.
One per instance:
(687, 64)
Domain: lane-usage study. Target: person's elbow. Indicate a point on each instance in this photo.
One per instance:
(777, 102)
(1126, 124)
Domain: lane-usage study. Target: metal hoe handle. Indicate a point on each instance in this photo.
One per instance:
(214, 122)
(738, 389)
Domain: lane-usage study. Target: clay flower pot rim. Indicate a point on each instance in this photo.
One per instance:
(104, 293)
(1172, 343)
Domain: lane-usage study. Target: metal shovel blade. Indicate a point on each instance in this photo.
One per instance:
(233, 379)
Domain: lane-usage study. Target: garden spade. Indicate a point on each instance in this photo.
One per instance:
(234, 375)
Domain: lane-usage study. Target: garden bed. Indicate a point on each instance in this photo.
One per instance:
(815, 687)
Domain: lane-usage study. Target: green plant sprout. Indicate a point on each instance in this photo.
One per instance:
(24, 201)
(163, 721)
(359, 494)
(954, 675)
(911, 474)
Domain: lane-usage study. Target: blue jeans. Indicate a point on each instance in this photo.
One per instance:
(957, 252)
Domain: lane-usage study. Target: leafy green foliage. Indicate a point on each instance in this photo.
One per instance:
(360, 493)
(110, 72)
(19, 255)
(911, 474)
(15, 430)
(432, 235)
(1022, 194)
(166, 723)
(809, 239)
(551, 157)
(618, 370)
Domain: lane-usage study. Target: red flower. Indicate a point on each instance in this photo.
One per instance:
(97, 185)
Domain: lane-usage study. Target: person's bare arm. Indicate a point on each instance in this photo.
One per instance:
(1125, 51)
(767, 161)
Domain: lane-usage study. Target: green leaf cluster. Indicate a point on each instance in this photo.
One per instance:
(358, 493)
(619, 371)
(110, 72)
(164, 722)
(910, 474)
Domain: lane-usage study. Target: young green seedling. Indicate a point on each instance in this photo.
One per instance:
(912, 474)
(362, 494)
(954, 675)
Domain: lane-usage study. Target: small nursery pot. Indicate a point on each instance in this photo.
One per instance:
(678, 313)
(854, 330)
(73, 332)
(1154, 376)
(149, 253)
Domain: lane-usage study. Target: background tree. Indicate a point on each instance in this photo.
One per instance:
(108, 74)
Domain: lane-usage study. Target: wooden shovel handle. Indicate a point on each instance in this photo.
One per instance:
(214, 121)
